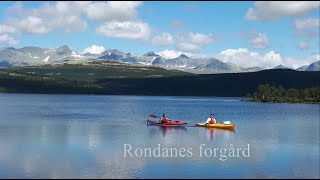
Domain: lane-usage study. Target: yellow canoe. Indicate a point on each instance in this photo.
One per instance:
(217, 125)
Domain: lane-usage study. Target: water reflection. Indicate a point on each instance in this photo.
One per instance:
(165, 129)
(212, 133)
(154, 129)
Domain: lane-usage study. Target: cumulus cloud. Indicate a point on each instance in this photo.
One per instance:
(184, 42)
(170, 54)
(307, 23)
(164, 39)
(193, 42)
(113, 10)
(31, 25)
(44, 19)
(303, 45)
(189, 47)
(125, 30)
(307, 28)
(7, 40)
(119, 20)
(245, 58)
(6, 29)
(259, 40)
(272, 10)
(296, 62)
(195, 38)
(115, 19)
(94, 49)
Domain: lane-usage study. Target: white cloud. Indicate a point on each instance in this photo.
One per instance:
(44, 19)
(115, 19)
(119, 19)
(70, 16)
(7, 40)
(307, 23)
(125, 30)
(271, 10)
(5, 29)
(94, 49)
(302, 45)
(245, 58)
(113, 10)
(170, 54)
(164, 39)
(301, 61)
(31, 25)
(195, 38)
(259, 41)
(189, 47)
(193, 42)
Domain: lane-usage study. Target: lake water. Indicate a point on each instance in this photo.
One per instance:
(88, 136)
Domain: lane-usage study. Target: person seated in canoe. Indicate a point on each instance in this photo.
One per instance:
(211, 120)
(164, 118)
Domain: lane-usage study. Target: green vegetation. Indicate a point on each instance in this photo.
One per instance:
(267, 93)
(122, 79)
(24, 83)
(92, 70)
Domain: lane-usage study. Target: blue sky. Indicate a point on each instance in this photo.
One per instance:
(244, 33)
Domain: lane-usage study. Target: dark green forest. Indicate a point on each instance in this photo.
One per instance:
(267, 93)
(284, 85)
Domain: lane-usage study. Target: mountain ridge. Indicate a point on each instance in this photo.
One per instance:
(32, 55)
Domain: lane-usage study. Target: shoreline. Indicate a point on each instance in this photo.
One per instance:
(290, 102)
(156, 95)
(199, 96)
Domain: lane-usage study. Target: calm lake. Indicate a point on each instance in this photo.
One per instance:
(88, 136)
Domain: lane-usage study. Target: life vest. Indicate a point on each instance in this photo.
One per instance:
(211, 121)
(164, 120)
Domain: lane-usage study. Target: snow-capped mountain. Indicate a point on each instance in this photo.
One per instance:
(34, 55)
(116, 55)
(216, 66)
(182, 61)
(31, 55)
(149, 58)
(151, 53)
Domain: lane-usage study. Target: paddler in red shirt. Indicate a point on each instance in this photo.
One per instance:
(211, 120)
(164, 119)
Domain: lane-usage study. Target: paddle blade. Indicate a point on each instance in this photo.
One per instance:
(152, 116)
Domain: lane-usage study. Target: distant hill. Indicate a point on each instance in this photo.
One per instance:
(112, 78)
(31, 55)
(280, 66)
(311, 67)
(302, 68)
(229, 84)
(314, 66)
(92, 70)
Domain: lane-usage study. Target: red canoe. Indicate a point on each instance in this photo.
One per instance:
(169, 123)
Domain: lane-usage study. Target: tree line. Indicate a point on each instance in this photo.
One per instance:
(268, 93)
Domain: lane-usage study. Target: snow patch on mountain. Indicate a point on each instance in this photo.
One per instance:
(46, 59)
